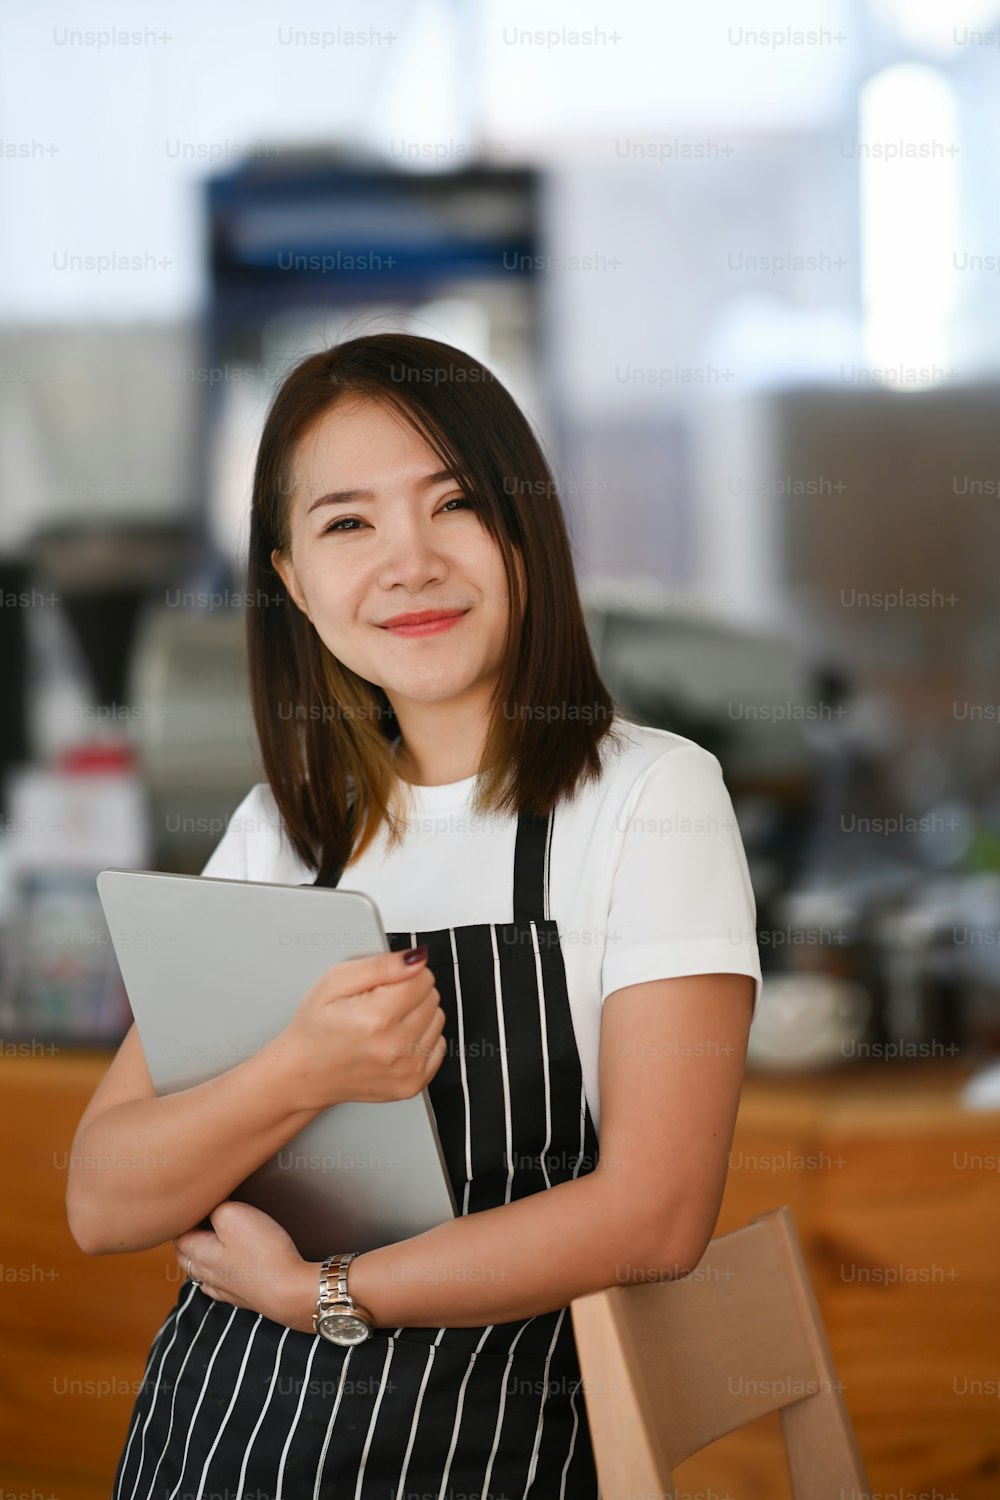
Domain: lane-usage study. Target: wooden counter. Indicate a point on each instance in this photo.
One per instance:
(895, 1191)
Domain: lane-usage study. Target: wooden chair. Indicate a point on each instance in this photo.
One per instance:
(670, 1366)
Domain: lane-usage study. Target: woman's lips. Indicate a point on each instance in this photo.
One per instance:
(427, 627)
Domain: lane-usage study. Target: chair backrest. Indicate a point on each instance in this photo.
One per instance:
(669, 1366)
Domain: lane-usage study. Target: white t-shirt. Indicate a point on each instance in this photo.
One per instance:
(648, 877)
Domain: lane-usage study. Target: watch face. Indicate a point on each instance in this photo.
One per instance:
(342, 1328)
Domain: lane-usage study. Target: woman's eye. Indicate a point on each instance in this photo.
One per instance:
(343, 523)
(338, 525)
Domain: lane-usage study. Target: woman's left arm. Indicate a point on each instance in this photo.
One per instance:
(672, 1059)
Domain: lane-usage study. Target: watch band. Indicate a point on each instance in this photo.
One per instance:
(333, 1292)
(337, 1276)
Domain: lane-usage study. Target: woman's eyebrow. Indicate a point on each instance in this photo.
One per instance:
(336, 497)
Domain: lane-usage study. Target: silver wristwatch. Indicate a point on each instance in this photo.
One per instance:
(337, 1316)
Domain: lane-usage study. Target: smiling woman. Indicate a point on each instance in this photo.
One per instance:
(410, 535)
(572, 975)
(396, 475)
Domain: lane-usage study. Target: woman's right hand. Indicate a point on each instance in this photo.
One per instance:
(368, 1029)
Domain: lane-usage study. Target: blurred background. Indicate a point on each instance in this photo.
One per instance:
(740, 267)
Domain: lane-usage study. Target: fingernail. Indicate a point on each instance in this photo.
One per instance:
(415, 955)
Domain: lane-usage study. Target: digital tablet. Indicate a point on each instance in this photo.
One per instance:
(214, 969)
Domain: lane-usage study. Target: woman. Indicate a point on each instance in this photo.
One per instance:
(433, 724)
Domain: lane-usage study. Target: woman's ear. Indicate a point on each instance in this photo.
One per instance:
(285, 570)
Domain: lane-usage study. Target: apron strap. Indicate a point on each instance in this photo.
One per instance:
(531, 868)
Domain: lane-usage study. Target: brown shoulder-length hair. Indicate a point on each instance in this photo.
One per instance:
(326, 733)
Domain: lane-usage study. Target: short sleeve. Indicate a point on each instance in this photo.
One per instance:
(228, 860)
(681, 898)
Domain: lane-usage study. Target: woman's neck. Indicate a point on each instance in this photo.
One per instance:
(437, 761)
(443, 742)
(441, 774)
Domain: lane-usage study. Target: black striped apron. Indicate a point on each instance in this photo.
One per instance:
(233, 1406)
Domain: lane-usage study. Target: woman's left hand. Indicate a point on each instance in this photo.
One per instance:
(248, 1260)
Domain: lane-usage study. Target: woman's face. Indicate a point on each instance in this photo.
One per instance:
(404, 542)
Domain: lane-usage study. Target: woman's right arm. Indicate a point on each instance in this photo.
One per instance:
(145, 1168)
